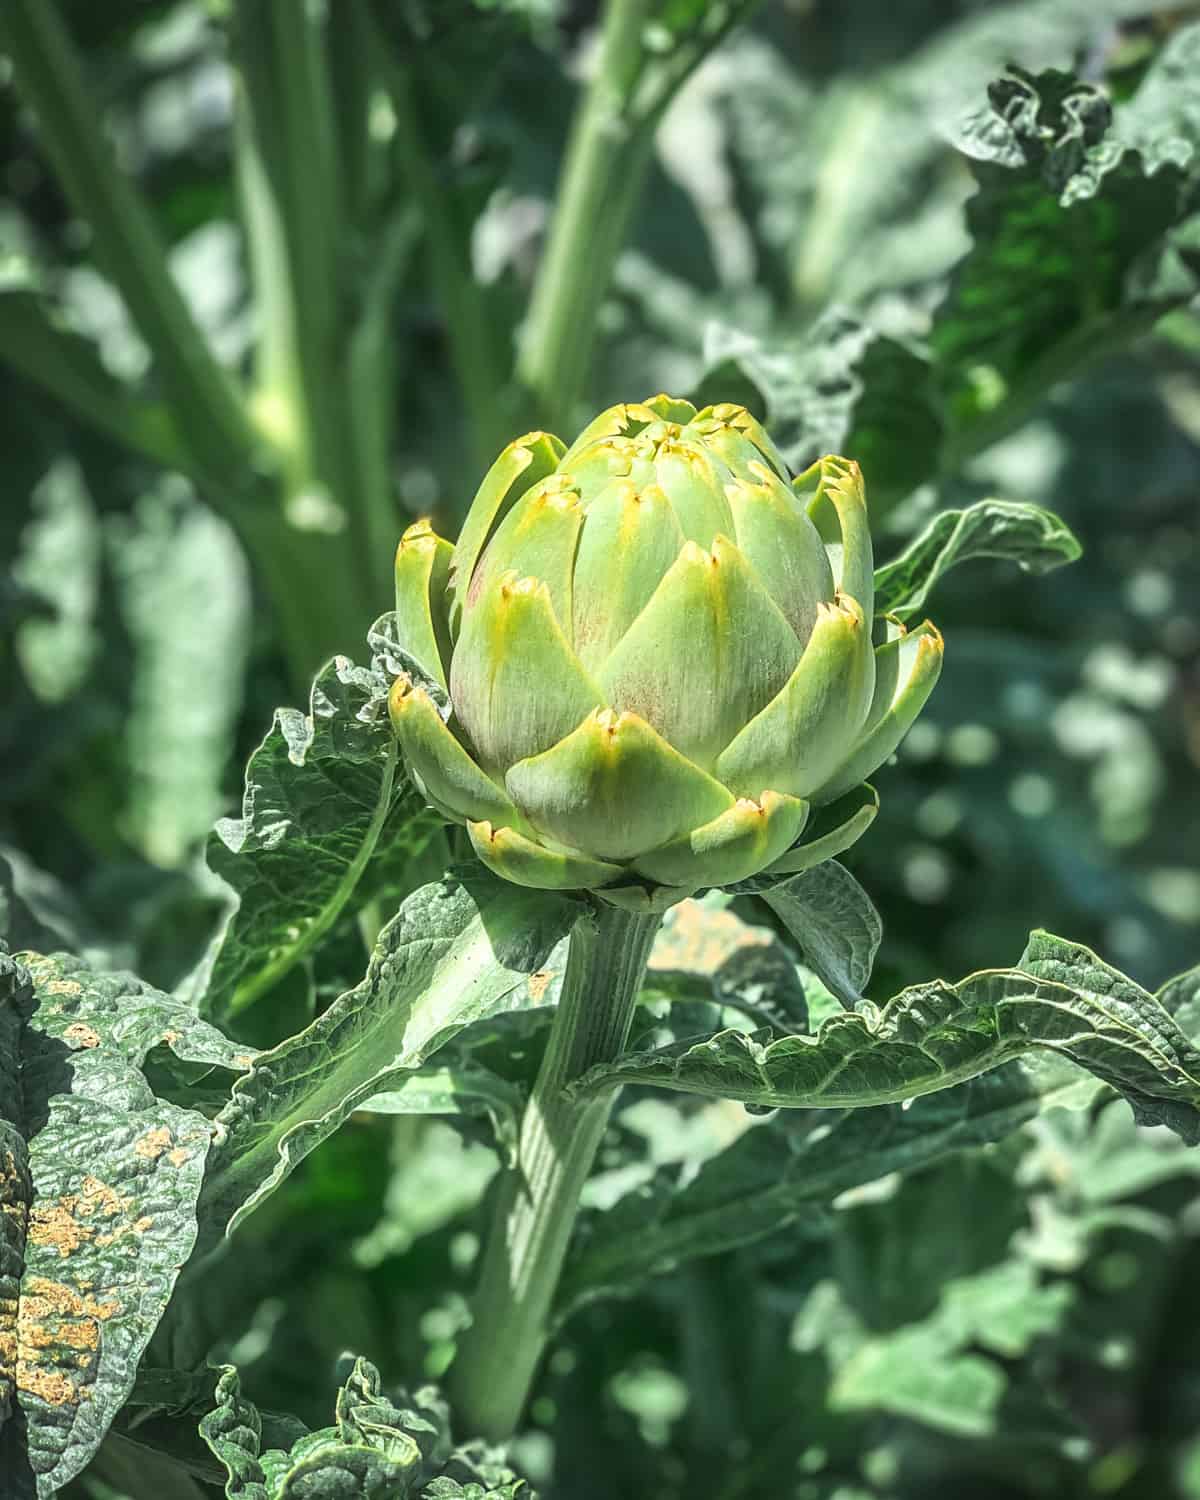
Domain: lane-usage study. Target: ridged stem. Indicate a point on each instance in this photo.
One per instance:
(539, 1199)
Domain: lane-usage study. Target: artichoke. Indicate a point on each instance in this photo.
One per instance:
(650, 665)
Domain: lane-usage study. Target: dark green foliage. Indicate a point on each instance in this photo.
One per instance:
(958, 242)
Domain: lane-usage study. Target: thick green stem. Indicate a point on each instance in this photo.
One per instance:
(539, 1198)
(204, 400)
(605, 164)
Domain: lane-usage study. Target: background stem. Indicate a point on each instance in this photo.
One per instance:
(539, 1198)
(605, 164)
(203, 398)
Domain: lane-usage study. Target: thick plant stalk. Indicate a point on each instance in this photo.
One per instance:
(607, 159)
(605, 164)
(539, 1200)
(204, 401)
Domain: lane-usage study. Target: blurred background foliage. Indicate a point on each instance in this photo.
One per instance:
(201, 496)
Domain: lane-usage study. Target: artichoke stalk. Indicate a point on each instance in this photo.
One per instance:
(651, 664)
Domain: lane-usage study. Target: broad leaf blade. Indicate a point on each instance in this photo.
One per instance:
(1106, 988)
(323, 791)
(781, 1172)
(99, 1182)
(835, 923)
(1070, 257)
(457, 951)
(933, 1035)
(1035, 539)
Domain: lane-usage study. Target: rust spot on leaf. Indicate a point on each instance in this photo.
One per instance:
(540, 982)
(46, 1299)
(153, 1143)
(64, 987)
(50, 1386)
(79, 1034)
(177, 1157)
(98, 1197)
(54, 1225)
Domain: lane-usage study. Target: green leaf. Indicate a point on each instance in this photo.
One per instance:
(1035, 539)
(1071, 254)
(1180, 997)
(184, 592)
(323, 791)
(99, 1181)
(932, 1371)
(375, 1449)
(1104, 988)
(745, 966)
(842, 388)
(458, 950)
(936, 1034)
(1163, 118)
(778, 1174)
(462, 1089)
(835, 923)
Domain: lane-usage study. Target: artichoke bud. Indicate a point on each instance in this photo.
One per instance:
(662, 659)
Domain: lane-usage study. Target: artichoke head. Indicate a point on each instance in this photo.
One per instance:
(651, 664)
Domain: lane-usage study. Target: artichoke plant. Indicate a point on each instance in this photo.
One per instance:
(651, 664)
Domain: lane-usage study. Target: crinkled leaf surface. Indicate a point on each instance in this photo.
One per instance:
(1035, 539)
(458, 950)
(376, 1449)
(843, 387)
(323, 792)
(1070, 229)
(780, 1173)
(937, 1034)
(99, 1181)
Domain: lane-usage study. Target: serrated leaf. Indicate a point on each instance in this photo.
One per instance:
(1035, 539)
(1070, 229)
(779, 1173)
(458, 950)
(933, 1035)
(835, 923)
(842, 388)
(1102, 987)
(323, 791)
(376, 1448)
(99, 1182)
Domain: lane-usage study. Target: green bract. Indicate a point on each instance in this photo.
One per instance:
(659, 656)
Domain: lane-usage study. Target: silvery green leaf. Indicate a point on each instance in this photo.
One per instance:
(933, 1035)
(376, 1449)
(323, 792)
(1035, 539)
(465, 1089)
(779, 1174)
(459, 950)
(1102, 987)
(176, 561)
(1181, 998)
(99, 1181)
(835, 923)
